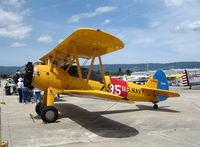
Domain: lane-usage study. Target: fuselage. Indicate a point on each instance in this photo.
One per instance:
(46, 76)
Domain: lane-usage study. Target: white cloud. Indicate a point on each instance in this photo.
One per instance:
(107, 21)
(188, 26)
(12, 26)
(74, 19)
(7, 17)
(105, 9)
(13, 3)
(12, 20)
(17, 45)
(15, 31)
(154, 24)
(45, 39)
(173, 3)
(98, 11)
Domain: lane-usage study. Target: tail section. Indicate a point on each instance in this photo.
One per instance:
(158, 81)
(185, 80)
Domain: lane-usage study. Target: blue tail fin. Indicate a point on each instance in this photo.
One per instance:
(162, 83)
(162, 80)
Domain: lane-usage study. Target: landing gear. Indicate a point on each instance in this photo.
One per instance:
(49, 114)
(38, 108)
(155, 106)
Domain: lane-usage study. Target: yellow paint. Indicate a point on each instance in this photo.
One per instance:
(174, 76)
(87, 43)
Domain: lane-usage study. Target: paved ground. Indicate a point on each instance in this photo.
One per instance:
(96, 123)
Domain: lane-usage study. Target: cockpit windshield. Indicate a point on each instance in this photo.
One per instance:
(96, 76)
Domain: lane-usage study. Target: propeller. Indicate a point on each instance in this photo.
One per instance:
(28, 76)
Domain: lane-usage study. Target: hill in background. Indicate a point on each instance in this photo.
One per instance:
(151, 66)
(8, 70)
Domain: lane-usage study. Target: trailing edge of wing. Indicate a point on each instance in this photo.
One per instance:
(97, 93)
(164, 93)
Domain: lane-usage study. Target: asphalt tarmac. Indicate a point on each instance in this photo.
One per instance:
(95, 123)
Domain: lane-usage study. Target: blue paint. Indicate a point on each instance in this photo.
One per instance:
(162, 84)
(160, 97)
(162, 80)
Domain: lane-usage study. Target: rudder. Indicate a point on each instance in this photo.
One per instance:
(158, 81)
(162, 80)
(185, 80)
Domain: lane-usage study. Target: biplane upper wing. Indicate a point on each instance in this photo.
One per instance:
(174, 76)
(84, 43)
(97, 93)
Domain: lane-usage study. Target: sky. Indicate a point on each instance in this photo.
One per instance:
(153, 31)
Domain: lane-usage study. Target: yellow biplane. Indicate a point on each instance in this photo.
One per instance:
(61, 73)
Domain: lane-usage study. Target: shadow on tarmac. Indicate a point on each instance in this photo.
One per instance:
(160, 109)
(94, 122)
(100, 125)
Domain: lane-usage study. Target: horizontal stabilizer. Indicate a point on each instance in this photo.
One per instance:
(164, 93)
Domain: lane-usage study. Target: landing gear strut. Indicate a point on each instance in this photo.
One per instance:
(49, 114)
(155, 106)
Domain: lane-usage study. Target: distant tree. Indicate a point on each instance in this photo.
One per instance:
(107, 73)
(128, 72)
(120, 71)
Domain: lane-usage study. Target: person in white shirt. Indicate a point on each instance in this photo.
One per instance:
(20, 85)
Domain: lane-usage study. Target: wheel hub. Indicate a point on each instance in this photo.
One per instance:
(50, 115)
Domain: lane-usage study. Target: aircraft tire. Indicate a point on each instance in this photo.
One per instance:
(155, 106)
(49, 114)
(38, 108)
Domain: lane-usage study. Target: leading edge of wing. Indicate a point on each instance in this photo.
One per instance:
(87, 42)
(164, 93)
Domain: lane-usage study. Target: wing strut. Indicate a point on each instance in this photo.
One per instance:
(77, 60)
(90, 70)
(70, 64)
(102, 72)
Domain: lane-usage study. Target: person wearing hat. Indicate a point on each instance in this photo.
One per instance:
(20, 85)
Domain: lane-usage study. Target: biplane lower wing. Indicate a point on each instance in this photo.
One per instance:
(96, 93)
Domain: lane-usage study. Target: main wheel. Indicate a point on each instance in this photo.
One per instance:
(49, 114)
(155, 106)
(38, 108)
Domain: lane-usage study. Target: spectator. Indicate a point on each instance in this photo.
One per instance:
(26, 92)
(20, 86)
(16, 76)
(37, 95)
